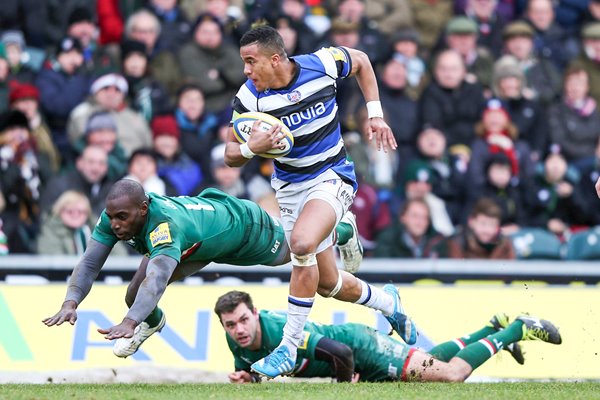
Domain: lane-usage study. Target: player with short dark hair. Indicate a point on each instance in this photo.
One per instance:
(178, 236)
(315, 183)
(351, 351)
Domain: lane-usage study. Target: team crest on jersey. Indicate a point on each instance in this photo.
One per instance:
(161, 234)
(304, 341)
(337, 54)
(294, 96)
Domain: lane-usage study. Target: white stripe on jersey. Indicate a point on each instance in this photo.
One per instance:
(274, 101)
(247, 98)
(328, 62)
(315, 124)
(310, 160)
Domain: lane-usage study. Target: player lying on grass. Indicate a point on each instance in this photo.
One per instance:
(350, 352)
(180, 236)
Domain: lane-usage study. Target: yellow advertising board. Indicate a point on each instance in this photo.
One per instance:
(193, 336)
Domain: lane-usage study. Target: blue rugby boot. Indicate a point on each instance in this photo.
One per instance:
(399, 321)
(279, 362)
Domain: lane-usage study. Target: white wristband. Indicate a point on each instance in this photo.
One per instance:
(374, 109)
(246, 152)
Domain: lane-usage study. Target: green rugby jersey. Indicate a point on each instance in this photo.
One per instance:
(377, 357)
(212, 226)
(271, 324)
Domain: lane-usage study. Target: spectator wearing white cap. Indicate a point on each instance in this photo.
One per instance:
(62, 87)
(108, 94)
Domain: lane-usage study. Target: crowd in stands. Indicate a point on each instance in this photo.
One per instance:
(493, 103)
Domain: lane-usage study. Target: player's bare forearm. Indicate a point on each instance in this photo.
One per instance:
(365, 76)
(259, 142)
(377, 127)
(233, 155)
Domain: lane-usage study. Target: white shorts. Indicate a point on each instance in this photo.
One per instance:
(328, 187)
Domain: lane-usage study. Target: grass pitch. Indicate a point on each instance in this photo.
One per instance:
(304, 391)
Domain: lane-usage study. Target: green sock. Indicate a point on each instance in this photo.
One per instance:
(344, 232)
(445, 351)
(477, 353)
(154, 318)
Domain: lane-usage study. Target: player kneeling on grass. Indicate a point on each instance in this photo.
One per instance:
(178, 236)
(352, 352)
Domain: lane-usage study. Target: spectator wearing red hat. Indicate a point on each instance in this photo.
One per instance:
(108, 94)
(174, 166)
(26, 98)
(497, 134)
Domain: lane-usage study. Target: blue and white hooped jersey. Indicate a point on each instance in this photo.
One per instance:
(309, 109)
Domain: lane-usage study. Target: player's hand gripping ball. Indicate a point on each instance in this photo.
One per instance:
(242, 129)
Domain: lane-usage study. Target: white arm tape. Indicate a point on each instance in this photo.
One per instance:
(246, 152)
(374, 109)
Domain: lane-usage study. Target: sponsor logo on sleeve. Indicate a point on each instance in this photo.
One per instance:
(304, 341)
(161, 234)
(337, 54)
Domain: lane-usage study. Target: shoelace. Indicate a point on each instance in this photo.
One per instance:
(276, 358)
(540, 334)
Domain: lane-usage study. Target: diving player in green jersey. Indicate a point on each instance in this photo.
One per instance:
(352, 352)
(178, 236)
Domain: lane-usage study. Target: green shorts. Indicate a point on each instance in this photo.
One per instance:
(380, 357)
(264, 240)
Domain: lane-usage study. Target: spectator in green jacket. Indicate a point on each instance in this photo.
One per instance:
(411, 235)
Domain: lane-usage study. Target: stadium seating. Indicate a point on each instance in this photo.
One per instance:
(584, 245)
(537, 243)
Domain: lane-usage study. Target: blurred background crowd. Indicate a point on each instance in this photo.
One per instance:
(493, 103)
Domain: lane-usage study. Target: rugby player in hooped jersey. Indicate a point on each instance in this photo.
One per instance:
(315, 183)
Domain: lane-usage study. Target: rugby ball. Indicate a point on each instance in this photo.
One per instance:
(242, 128)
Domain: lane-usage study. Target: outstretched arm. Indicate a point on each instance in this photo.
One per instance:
(363, 70)
(158, 272)
(244, 377)
(337, 354)
(81, 281)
